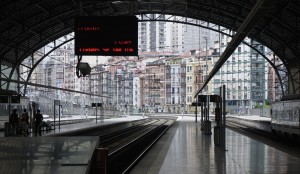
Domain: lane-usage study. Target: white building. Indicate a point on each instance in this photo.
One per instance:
(151, 36)
(174, 38)
(176, 84)
(161, 36)
(194, 37)
(136, 92)
(245, 76)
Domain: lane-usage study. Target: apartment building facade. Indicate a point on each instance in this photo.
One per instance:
(244, 74)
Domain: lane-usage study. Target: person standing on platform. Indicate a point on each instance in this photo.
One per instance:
(25, 122)
(14, 122)
(38, 123)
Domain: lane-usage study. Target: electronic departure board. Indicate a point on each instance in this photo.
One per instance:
(106, 35)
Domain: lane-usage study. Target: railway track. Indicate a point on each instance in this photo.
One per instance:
(122, 159)
(128, 145)
(109, 139)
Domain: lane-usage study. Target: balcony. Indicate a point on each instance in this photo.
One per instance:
(154, 95)
(198, 71)
(215, 53)
(154, 88)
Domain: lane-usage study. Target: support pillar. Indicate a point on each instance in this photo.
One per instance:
(202, 115)
(207, 123)
(223, 120)
(217, 128)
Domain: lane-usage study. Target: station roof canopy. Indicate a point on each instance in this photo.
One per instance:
(27, 25)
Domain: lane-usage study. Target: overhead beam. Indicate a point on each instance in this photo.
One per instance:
(260, 9)
(49, 87)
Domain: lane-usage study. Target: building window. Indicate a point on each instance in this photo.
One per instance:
(188, 79)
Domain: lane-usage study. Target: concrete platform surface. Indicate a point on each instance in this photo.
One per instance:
(48, 155)
(185, 149)
(52, 155)
(76, 126)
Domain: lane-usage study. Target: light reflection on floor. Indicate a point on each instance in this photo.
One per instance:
(46, 154)
(193, 152)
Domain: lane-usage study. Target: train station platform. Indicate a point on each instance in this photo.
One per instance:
(253, 121)
(82, 125)
(53, 154)
(185, 149)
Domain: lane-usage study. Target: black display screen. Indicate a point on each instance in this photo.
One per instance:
(106, 35)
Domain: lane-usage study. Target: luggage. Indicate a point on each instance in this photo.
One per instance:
(7, 129)
(19, 130)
